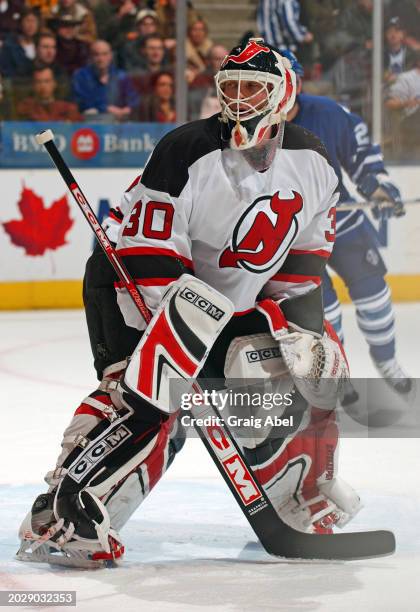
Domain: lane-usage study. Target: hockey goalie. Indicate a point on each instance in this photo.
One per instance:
(226, 234)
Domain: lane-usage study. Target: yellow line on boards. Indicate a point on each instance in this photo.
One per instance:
(404, 288)
(27, 295)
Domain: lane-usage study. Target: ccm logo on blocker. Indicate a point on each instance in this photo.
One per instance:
(202, 303)
(101, 449)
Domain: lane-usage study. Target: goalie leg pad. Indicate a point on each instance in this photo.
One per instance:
(70, 525)
(123, 499)
(176, 343)
(299, 474)
(40, 524)
(100, 405)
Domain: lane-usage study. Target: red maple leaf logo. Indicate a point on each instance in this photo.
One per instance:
(40, 228)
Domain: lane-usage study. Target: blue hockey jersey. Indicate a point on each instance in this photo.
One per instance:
(346, 138)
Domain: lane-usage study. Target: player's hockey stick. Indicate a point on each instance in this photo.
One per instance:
(275, 536)
(366, 205)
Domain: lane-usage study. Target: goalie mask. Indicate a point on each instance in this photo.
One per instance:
(256, 88)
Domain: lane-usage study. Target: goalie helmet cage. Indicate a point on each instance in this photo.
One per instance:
(277, 538)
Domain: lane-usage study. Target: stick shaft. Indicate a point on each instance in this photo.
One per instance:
(344, 206)
(101, 236)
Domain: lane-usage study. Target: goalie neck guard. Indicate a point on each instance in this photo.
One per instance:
(256, 88)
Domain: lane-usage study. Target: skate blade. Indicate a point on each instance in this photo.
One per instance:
(44, 555)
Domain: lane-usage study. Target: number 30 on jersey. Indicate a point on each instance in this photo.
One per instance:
(157, 220)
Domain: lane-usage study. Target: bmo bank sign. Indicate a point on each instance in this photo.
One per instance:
(83, 145)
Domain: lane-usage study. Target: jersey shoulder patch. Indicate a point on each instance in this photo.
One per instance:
(167, 169)
(298, 137)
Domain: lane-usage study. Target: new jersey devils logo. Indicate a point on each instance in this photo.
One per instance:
(251, 50)
(263, 233)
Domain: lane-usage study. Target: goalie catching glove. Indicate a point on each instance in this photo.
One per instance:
(317, 365)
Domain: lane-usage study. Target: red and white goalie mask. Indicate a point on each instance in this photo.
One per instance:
(256, 88)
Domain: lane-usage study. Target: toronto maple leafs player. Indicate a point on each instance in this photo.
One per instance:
(227, 235)
(356, 257)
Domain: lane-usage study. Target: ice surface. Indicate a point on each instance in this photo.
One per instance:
(187, 545)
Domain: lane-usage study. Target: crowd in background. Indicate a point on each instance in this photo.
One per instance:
(113, 60)
(333, 40)
(103, 60)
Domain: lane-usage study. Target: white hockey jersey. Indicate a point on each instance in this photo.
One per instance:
(201, 208)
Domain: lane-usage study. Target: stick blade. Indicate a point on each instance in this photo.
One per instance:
(345, 546)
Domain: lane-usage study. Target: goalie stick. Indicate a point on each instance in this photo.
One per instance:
(276, 537)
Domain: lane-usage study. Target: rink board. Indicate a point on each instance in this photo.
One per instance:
(46, 271)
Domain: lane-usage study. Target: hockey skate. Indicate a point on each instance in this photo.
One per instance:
(396, 378)
(44, 539)
(373, 405)
(348, 395)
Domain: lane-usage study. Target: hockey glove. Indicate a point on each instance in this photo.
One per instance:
(317, 365)
(378, 187)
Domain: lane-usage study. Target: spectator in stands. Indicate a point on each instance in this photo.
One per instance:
(279, 22)
(404, 98)
(115, 19)
(18, 51)
(72, 53)
(146, 24)
(322, 18)
(46, 55)
(210, 102)
(43, 106)
(166, 12)
(10, 14)
(151, 57)
(160, 105)
(197, 46)
(355, 26)
(409, 14)
(101, 88)
(397, 56)
(85, 28)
